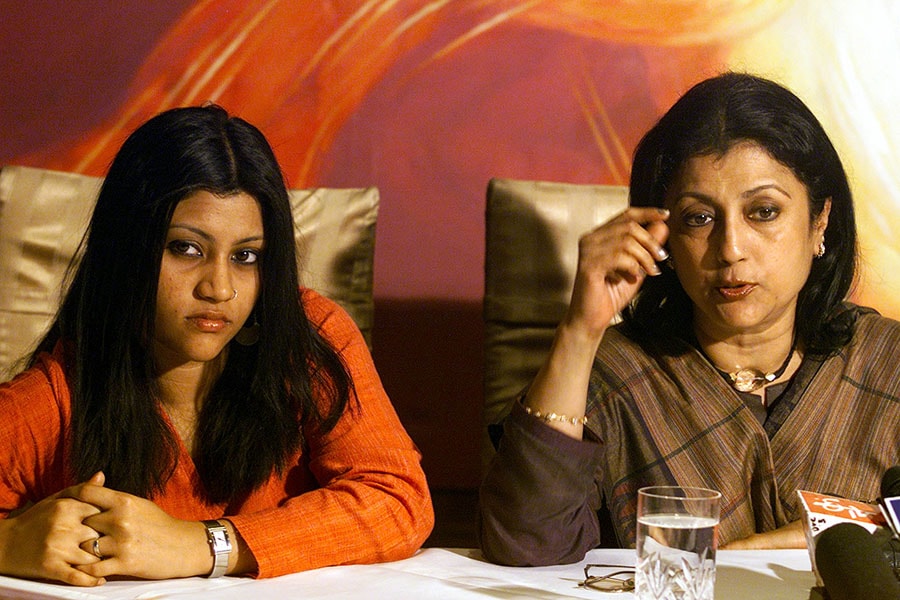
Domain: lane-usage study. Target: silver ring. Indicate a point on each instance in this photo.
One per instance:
(95, 547)
(235, 294)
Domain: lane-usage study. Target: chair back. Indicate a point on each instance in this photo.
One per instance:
(531, 253)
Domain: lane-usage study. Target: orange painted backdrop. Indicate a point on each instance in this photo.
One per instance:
(428, 100)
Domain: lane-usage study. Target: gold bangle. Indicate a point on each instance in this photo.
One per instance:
(552, 416)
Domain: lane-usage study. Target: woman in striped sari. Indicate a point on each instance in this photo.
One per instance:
(739, 363)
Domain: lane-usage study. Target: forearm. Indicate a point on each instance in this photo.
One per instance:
(788, 536)
(561, 385)
(378, 519)
(241, 560)
(535, 502)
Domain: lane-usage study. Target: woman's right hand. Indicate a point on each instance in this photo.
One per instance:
(613, 260)
(43, 542)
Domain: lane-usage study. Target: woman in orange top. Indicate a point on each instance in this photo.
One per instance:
(192, 410)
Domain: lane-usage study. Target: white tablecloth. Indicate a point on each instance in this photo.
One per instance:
(447, 575)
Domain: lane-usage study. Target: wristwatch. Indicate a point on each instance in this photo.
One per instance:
(219, 545)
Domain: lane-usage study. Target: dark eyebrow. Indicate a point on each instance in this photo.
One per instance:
(766, 186)
(209, 238)
(747, 194)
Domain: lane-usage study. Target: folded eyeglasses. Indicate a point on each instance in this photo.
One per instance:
(621, 580)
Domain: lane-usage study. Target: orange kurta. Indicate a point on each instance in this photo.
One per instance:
(354, 495)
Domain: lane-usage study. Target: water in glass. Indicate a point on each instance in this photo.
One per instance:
(676, 556)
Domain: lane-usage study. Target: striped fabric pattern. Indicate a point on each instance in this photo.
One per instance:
(670, 419)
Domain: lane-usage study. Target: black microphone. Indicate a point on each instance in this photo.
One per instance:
(890, 500)
(852, 566)
(890, 482)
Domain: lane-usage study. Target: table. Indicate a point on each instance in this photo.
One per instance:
(448, 574)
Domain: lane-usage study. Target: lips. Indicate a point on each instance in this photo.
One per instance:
(209, 322)
(735, 291)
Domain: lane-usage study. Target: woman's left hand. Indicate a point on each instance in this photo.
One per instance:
(138, 539)
(788, 536)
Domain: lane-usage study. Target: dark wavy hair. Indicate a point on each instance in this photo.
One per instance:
(251, 421)
(711, 118)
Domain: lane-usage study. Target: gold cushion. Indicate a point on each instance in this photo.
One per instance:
(43, 215)
(531, 253)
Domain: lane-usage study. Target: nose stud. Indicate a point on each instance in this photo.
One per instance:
(235, 295)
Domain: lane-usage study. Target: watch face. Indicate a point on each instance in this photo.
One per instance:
(219, 545)
(218, 537)
(220, 541)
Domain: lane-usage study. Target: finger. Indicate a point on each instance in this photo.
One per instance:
(637, 256)
(645, 214)
(103, 524)
(87, 534)
(102, 569)
(76, 576)
(651, 236)
(98, 478)
(71, 508)
(100, 548)
(632, 269)
(625, 246)
(102, 497)
(79, 491)
(660, 231)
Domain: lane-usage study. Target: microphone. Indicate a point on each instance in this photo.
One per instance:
(852, 566)
(890, 482)
(890, 508)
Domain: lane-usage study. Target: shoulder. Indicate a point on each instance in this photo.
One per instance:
(38, 399)
(329, 318)
(47, 377)
(872, 326)
(317, 306)
(619, 357)
(616, 343)
(621, 349)
(869, 360)
(874, 341)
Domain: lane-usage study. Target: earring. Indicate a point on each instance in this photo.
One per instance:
(821, 251)
(249, 334)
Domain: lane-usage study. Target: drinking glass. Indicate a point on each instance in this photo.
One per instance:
(676, 543)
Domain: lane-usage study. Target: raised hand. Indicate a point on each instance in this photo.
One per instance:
(613, 260)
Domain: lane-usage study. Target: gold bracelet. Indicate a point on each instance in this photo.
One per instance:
(552, 416)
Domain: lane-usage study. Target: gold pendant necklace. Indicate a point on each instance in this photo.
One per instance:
(750, 380)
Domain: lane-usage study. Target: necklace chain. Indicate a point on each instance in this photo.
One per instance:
(750, 380)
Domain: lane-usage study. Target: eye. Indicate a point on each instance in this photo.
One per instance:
(184, 248)
(697, 219)
(766, 212)
(246, 257)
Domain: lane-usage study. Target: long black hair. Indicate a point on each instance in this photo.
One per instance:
(711, 118)
(250, 424)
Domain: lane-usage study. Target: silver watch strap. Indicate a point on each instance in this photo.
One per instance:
(219, 545)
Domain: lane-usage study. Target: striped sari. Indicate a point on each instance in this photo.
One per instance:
(668, 418)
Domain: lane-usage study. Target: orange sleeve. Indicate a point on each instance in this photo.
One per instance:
(373, 504)
(35, 410)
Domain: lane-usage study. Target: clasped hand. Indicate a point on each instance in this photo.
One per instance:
(54, 539)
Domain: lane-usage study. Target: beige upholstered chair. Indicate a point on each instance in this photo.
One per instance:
(43, 215)
(531, 251)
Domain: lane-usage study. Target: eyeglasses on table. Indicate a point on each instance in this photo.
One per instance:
(619, 580)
